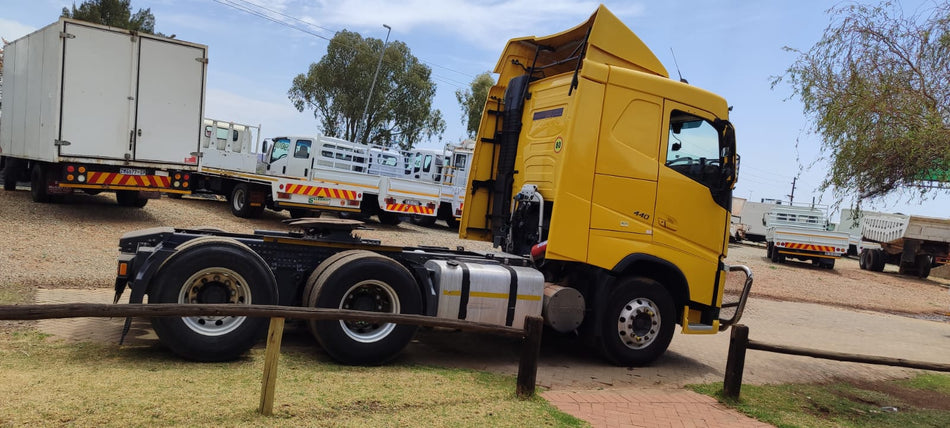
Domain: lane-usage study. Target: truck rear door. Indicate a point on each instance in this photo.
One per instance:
(98, 91)
(169, 100)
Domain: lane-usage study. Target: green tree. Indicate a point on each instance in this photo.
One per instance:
(876, 88)
(473, 100)
(114, 13)
(400, 109)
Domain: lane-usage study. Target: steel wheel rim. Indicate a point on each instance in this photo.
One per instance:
(238, 200)
(215, 285)
(374, 296)
(638, 324)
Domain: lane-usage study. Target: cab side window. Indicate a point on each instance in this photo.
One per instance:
(693, 148)
(302, 150)
(281, 147)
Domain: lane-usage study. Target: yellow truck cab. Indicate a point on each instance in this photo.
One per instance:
(614, 178)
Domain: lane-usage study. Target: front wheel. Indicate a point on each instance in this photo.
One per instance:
(639, 322)
(365, 281)
(212, 270)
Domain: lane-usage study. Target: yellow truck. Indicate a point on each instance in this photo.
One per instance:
(606, 184)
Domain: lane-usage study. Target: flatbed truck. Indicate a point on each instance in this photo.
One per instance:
(605, 184)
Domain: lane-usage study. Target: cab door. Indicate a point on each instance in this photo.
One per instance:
(690, 216)
(299, 159)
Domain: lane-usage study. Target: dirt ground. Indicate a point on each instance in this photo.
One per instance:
(66, 253)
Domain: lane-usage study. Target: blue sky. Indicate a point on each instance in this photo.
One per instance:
(732, 48)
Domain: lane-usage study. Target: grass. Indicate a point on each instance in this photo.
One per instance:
(923, 401)
(12, 293)
(55, 383)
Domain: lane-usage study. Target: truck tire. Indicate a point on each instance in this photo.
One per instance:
(10, 173)
(130, 198)
(923, 264)
(371, 282)
(309, 297)
(388, 218)
(827, 263)
(240, 202)
(768, 250)
(876, 260)
(39, 180)
(212, 270)
(422, 220)
(777, 257)
(863, 260)
(638, 324)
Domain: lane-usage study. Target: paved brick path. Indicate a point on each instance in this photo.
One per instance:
(648, 407)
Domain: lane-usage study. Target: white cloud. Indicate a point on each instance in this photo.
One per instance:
(12, 30)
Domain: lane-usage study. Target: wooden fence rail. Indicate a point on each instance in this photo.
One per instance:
(739, 342)
(530, 335)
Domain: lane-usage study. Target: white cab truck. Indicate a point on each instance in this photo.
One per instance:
(801, 232)
(231, 165)
(913, 243)
(97, 109)
(376, 175)
(447, 169)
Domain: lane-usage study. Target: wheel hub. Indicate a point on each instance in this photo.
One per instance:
(214, 285)
(638, 323)
(371, 296)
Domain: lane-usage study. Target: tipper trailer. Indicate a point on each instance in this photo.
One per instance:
(606, 183)
(914, 243)
(98, 108)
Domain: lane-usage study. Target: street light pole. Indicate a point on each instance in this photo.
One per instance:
(373, 85)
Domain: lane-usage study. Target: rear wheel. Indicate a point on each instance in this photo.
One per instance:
(241, 202)
(639, 322)
(923, 264)
(863, 260)
(10, 173)
(827, 263)
(422, 220)
(777, 257)
(876, 260)
(130, 198)
(212, 270)
(365, 281)
(388, 218)
(39, 182)
(768, 250)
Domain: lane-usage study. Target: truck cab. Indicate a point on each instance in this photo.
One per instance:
(590, 159)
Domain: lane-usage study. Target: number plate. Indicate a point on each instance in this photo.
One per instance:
(320, 200)
(132, 171)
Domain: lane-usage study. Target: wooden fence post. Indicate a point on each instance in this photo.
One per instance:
(735, 362)
(271, 355)
(530, 351)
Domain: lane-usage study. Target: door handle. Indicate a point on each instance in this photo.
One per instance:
(284, 170)
(667, 223)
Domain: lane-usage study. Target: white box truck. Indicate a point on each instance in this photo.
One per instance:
(97, 108)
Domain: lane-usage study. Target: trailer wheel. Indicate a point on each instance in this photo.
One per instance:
(130, 198)
(422, 220)
(39, 181)
(876, 260)
(212, 270)
(365, 281)
(639, 322)
(923, 264)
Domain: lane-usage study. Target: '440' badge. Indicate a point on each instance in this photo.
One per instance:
(558, 145)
